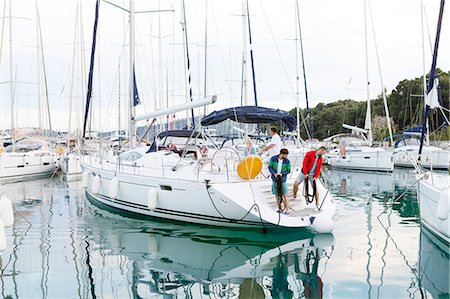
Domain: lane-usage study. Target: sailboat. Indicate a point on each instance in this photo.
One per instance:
(356, 152)
(207, 190)
(23, 159)
(433, 189)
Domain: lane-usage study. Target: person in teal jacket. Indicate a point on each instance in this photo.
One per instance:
(280, 167)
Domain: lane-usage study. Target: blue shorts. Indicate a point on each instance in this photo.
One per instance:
(284, 187)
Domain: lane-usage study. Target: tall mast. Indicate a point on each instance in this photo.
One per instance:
(91, 70)
(386, 108)
(188, 63)
(38, 73)
(43, 68)
(13, 125)
(251, 55)
(432, 75)
(424, 80)
(131, 124)
(368, 122)
(244, 57)
(308, 112)
(206, 55)
(69, 130)
(297, 77)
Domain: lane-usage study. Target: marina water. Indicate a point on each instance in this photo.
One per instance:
(63, 246)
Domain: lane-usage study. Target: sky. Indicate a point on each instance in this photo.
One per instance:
(333, 43)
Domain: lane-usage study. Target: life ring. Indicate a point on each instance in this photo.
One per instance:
(250, 167)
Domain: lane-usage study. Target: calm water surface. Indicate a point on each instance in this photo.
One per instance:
(63, 246)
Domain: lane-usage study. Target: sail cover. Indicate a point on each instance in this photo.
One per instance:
(251, 115)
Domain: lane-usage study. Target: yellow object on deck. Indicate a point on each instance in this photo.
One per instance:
(59, 150)
(250, 167)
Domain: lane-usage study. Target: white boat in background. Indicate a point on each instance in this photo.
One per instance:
(407, 150)
(30, 159)
(352, 153)
(355, 153)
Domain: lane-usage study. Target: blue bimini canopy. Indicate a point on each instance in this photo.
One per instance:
(250, 115)
(415, 130)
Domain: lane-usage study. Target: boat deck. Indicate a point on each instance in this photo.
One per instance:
(298, 205)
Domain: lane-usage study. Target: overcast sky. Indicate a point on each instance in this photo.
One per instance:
(333, 40)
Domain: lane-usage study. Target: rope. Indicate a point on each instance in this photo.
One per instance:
(309, 197)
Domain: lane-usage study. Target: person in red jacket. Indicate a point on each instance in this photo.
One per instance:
(312, 165)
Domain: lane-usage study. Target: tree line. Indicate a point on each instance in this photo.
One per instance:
(406, 107)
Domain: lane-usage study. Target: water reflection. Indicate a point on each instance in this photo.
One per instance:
(61, 246)
(176, 259)
(434, 265)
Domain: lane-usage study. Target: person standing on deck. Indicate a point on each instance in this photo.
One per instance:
(312, 165)
(275, 143)
(280, 167)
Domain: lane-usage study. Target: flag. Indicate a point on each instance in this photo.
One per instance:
(136, 100)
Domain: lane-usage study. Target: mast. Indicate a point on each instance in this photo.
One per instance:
(13, 125)
(38, 73)
(251, 55)
(43, 68)
(206, 54)
(308, 112)
(386, 108)
(69, 130)
(188, 63)
(432, 76)
(297, 77)
(368, 122)
(424, 80)
(131, 124)
(91, 69)
(244, 58)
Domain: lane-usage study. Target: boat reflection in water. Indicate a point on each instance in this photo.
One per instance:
(434, 265)
(191, 261)
(360, 183)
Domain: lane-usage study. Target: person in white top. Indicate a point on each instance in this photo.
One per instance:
(274, 146)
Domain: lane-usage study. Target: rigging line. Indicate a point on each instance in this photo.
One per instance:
(428, 28)
(106, 120)
(276, 47)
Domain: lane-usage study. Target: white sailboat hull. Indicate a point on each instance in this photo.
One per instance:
(432, 157)
(434, 199)
(16, 167)
(374, 159)
(232, 204)
(71, 167)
